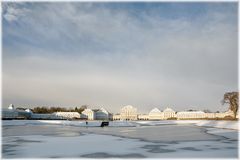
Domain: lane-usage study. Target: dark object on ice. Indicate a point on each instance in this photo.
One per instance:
(86, 122)
(104, 124)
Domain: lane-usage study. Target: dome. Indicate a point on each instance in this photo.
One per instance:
(168, 110)
(155, 110)
(28, 110)
(128, 107)
(87, 110)
(11, 106)
(103, 110)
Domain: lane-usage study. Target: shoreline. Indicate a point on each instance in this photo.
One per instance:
(201, 123)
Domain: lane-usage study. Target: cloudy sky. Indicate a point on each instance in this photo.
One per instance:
(181, 55)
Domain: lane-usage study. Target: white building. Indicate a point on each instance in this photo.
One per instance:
(228, 113)
(67, 115)
(128, 113)
(220, 115)
(12, 113)
(143, 117)
(191, 115)
(110, 116)
(28, 110)
(88, 114)
(156, 114)
(43, 116)
(168, 113)
(9, 113)
(116, 117)
(11, 107)
(210, 115)
(102, 114)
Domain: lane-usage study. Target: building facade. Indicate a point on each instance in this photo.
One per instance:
(102, 114)
(128, 113)
(156, 114)
(67, 115)
(88, 114)
(169, 113)
(116, 117)
(228, 113)
(210, 115)
(9, 113)
(143, 117)
(191, 115)
(11, 107)
(12, 113)
(43, 116)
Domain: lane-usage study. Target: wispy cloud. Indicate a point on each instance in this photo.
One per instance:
(114, 54)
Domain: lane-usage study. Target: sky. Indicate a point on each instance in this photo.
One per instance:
(159, 54)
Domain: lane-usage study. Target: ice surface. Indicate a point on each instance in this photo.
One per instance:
(139, 139)
(206, 123)
(219, 124)
(104, 146)
(67, 123)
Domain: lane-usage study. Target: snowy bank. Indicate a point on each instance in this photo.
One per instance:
(204, 123)
(219, 124)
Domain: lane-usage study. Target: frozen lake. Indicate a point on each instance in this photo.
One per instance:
(32, 139)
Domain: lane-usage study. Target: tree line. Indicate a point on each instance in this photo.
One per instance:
(44, 109)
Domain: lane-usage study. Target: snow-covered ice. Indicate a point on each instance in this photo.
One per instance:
(68, 123)
(205, 123)
(139, 139)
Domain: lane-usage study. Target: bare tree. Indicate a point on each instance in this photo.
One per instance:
(231, 98)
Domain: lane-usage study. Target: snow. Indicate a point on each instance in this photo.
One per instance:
(103, 146)
(36, 139)
(219, 124)
(81, 145)
(68, 123)
(228, 133)
(203, 123)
